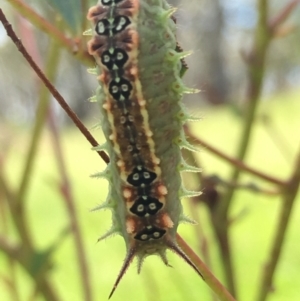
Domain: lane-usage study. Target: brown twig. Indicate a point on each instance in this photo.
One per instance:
(200, 236)
(276, 21)
(210, 279)
(235, 162)
(53, 91)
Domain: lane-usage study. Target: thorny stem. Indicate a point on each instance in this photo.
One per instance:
(288, 202)
(69, 201)
(42, 24)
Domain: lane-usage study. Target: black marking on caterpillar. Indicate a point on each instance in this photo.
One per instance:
(140, 67)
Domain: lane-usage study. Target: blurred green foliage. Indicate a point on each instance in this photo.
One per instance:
(207, 27)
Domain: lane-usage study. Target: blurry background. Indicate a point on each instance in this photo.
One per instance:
(246, 63)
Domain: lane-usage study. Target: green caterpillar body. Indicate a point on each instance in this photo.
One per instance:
(140, 93)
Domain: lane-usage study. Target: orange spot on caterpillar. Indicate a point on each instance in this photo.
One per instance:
(127, 193)
(120, 163)
(135, 4)
(101, 78)
(156, 160)
(134, 37)
(133, 70)
(106, 106)
(162, 189)
(130, 226)
(142, 102)
(167, 221)
(149, 133)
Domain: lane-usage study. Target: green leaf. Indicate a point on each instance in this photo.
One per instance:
(71, 12)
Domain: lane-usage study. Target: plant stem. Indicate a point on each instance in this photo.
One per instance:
(11, 264)
(41, 113)
(209, 278)
(24, 252)
(222, 236)
(84, 9)
(69, 202)
(16, 214)
(47, 290)
(233, 161)
(289, 198)
(256, 75)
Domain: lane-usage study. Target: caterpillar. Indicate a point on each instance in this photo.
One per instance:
(139, 67)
